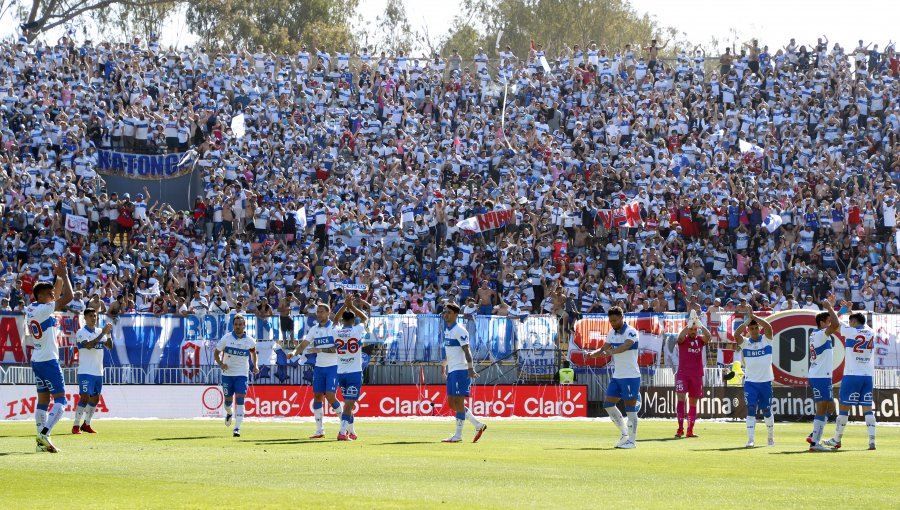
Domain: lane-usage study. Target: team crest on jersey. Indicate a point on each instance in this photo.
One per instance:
(790, 347)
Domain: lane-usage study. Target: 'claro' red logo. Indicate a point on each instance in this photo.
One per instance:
(790, 347)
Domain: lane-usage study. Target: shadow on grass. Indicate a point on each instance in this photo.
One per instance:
(660, 439)
(183, 438)
(799, 452)
(729, 449)
(4, 454)
(292, 440)
(587, 449)
(406, 442)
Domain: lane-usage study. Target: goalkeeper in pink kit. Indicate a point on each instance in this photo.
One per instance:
(689, 377)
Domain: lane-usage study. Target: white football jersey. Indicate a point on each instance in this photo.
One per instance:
(820, 355)
(348, 341)
(236, 354)
(322, 337)
(626, 363)
(90, 360)
(757, 354)
(43, 329)
(455, 337)
(859, 350)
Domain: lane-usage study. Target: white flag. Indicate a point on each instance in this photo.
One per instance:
(897, 238)
(544, 64)
(469, 225)
(237, 125)
(301, 218)
(77, 224)
(772, 222)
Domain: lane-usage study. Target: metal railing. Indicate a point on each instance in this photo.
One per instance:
(411, 373)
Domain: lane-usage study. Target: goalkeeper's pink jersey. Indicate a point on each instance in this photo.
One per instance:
(691, 357)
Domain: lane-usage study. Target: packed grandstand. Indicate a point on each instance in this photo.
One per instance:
(518, 183)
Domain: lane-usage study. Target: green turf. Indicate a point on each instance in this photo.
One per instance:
(401, 464)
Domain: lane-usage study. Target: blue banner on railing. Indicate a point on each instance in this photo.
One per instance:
(536, 343)
(170, 341)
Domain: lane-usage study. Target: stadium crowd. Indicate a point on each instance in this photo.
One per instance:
(384, 156)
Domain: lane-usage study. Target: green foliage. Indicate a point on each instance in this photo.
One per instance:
(396, 32)
(277, 25)
(44, 15)
(555, 24)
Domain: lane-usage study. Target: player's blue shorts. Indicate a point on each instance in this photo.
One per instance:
(234, 384)
(458, 382)
(48, 377)
(625, 389)
(351, 384)
(325, 379)
(856, 390)
(821, 388)
(90, 385)
(758, 394)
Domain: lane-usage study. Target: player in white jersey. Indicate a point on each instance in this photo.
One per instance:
(756, 351)
(622, 344)
(235, 354)
(821, 361)
(459, 369)
(320, 340)
(348, 339)
(859, 376)
(91, 347)
(43, 329)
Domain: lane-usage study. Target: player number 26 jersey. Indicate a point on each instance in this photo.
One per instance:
(348, 342)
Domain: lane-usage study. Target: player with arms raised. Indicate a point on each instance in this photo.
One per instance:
(859, 375)
(689, 377)
(348, 342)
(622, 344)
(91, 346)
(234, 354)
(459, 369)
(320, 340)
(44, 328)
(821, 361)
(756, 350)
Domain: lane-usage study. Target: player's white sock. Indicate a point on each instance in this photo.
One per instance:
(770, 425)
(79, 411)
(238, 415)
(751, 427)
(228, 409)
(632, 425)
(460, 423)
(870, 427)
(616, 416)
(818, 428)
(320, 415)
(839, 426)
(88, 413)
(351, 429)
(53, 417)
(472, 419)
(345, 424)
(40, 418)
(337, 408)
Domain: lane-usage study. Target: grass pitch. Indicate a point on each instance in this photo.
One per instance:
(402, 464)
